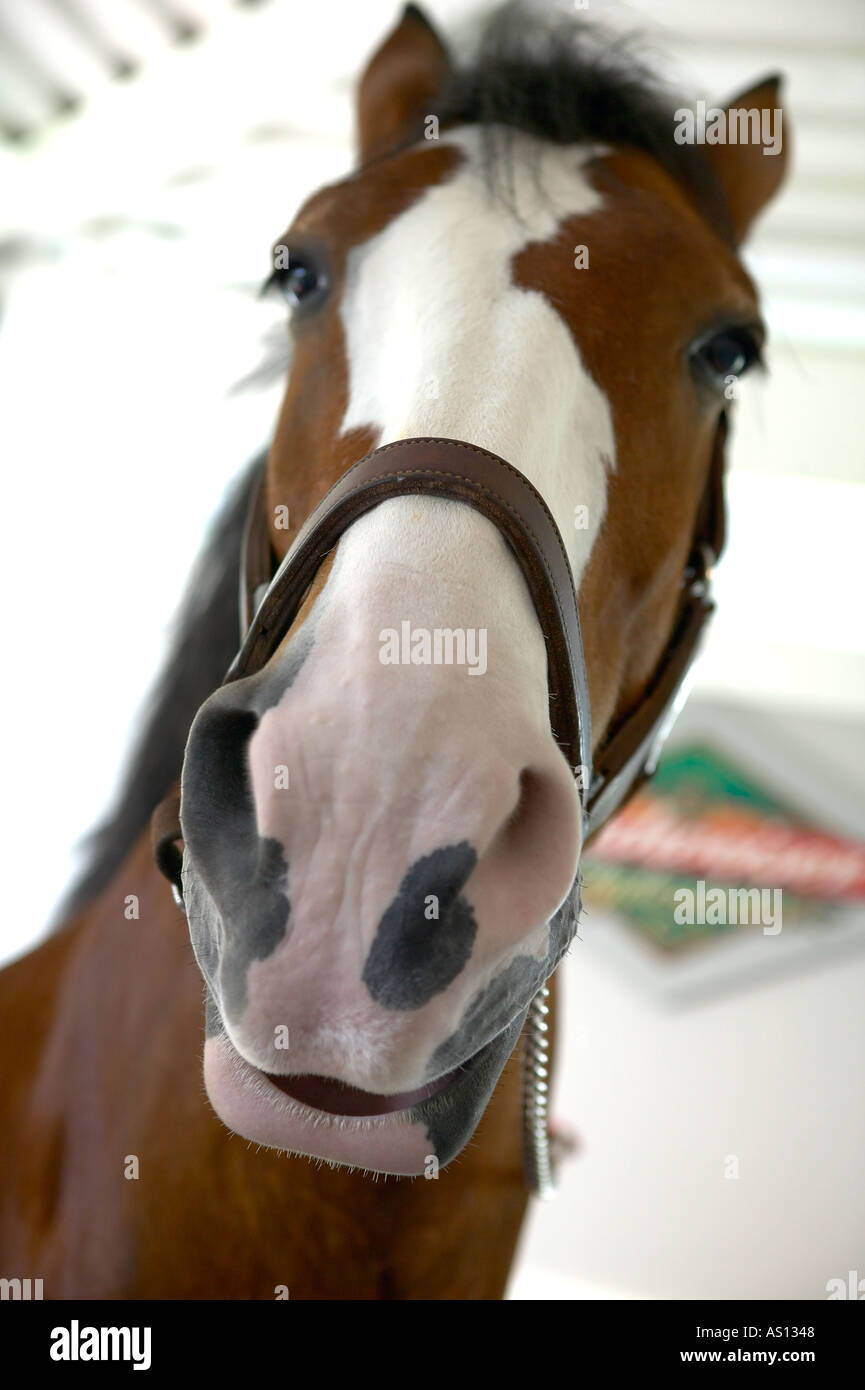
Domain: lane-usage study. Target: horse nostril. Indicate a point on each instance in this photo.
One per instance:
(539, 802)
(537, 847)
(217, 811)
(530, 799)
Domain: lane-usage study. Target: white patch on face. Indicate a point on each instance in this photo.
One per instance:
(393, 761)
(441, 342)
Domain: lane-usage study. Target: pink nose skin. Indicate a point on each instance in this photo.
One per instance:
(379, 841)
(381, 852)
(429, 832)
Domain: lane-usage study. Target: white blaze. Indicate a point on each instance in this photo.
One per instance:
(441, 342)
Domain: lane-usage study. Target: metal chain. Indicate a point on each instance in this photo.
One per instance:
(537, 1158)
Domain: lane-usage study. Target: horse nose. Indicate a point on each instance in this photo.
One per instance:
(351, 809)
(381, 871)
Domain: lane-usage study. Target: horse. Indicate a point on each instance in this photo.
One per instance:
(513, 327)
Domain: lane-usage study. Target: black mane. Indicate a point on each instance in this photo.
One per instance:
(549, 75)
(570, 80)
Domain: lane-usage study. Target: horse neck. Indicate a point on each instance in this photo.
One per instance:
(128, 1185)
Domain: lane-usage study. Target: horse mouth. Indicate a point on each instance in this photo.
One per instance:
(337, 1098)
(323, 1119)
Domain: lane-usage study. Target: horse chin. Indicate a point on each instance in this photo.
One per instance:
(406, 1135)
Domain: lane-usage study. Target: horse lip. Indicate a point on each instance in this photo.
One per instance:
(337, 1098)
(397, 1142)
(322, 1093)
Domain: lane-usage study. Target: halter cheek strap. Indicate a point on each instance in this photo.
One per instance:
(629, 754)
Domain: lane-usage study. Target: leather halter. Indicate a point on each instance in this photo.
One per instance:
(461, 472)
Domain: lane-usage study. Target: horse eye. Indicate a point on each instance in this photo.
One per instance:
(298, 282)
(726, 354)
(303, 282)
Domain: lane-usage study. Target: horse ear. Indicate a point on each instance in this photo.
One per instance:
(751, 172)
(401, 79)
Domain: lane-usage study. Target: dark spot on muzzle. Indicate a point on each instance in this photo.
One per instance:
(490, 1010)
(452, 1117)
(244, 874)
(426, 935)
(508, 994)
(450, 1125)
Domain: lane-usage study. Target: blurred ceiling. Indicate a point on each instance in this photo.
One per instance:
(56, 56)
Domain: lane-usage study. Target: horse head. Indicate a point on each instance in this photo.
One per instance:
(382, 834)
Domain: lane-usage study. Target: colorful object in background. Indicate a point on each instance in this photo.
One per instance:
(703, 821)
